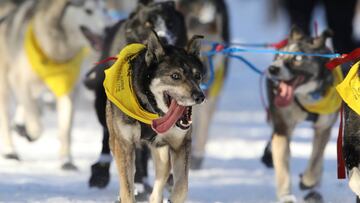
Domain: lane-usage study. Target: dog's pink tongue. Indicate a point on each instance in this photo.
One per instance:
(163, 124)
(285, 95)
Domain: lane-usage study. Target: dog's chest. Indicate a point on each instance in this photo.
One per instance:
(174, 138)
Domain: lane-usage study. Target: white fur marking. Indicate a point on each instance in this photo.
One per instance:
(354, 182)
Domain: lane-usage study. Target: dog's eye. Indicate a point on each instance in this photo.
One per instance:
(298, 58)
(175, 76)
(89, 11)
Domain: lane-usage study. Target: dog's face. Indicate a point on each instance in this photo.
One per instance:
(301, 74)
(87, 20)
(176, 76)
(163, 18)
(200, 15)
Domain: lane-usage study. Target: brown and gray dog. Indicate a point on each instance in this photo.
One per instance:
(295, 82)
(165, 79)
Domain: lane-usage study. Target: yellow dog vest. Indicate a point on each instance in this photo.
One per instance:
(331, 101)
(119, 89)
(349, 89)
(60, 78)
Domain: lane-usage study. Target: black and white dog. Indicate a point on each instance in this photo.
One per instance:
(351, 146)
(170, 27)
(297, 83)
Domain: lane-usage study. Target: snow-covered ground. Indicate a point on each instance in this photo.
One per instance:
(232, 170)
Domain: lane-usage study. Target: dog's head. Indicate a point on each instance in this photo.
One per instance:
(163, 18)
(87, 21)
(296, 74)
(176, 75)
(200, 15)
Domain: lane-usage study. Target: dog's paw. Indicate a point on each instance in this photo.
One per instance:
(141, 193)
(21, 130)
(304, 186)
(69, 166)
(12, 156)
(313, 197)
(196, 162)
(287, 199)
(100, 175)
(267, 159)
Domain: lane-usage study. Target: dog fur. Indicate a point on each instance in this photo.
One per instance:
(285, 119)
(171, 149)
(170, 26)
(352, 146)
(57, 29)
(210, 18)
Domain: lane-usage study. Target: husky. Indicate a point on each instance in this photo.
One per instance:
(166, 81)
(170, 27)
(61, 29)
(351, 147)
(210, 18)
(295, 83)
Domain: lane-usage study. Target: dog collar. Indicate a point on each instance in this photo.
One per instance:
(331, 101)
(60, 78)
(349, 89)
(119, 87)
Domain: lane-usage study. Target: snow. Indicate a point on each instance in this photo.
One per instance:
(232, 169)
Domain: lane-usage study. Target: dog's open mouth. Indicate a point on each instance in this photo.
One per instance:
(95, 40)
(285, 91)
(177, 115)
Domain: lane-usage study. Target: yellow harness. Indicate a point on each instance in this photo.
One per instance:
(216, 87)
(60, 78)
(349, 89)
(331, 101)
(119, 89)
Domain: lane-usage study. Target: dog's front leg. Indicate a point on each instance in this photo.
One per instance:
(124, 155)
(313, 172)
(162, 171)
(6, 139)
(64, 106)
(122, 146)
(180, 164)
(281, 151)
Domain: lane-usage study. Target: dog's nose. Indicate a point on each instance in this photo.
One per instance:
(274, 70)
(198, 97)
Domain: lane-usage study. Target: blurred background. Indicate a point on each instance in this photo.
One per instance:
(232, 170)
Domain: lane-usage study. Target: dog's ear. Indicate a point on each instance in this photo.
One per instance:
(320, 41)
(296, 33)
(155, 50)
(194, 45)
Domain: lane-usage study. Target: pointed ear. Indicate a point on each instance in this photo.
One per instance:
(155, 50)
(320, 41)
(194, 45)
(296, 33)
